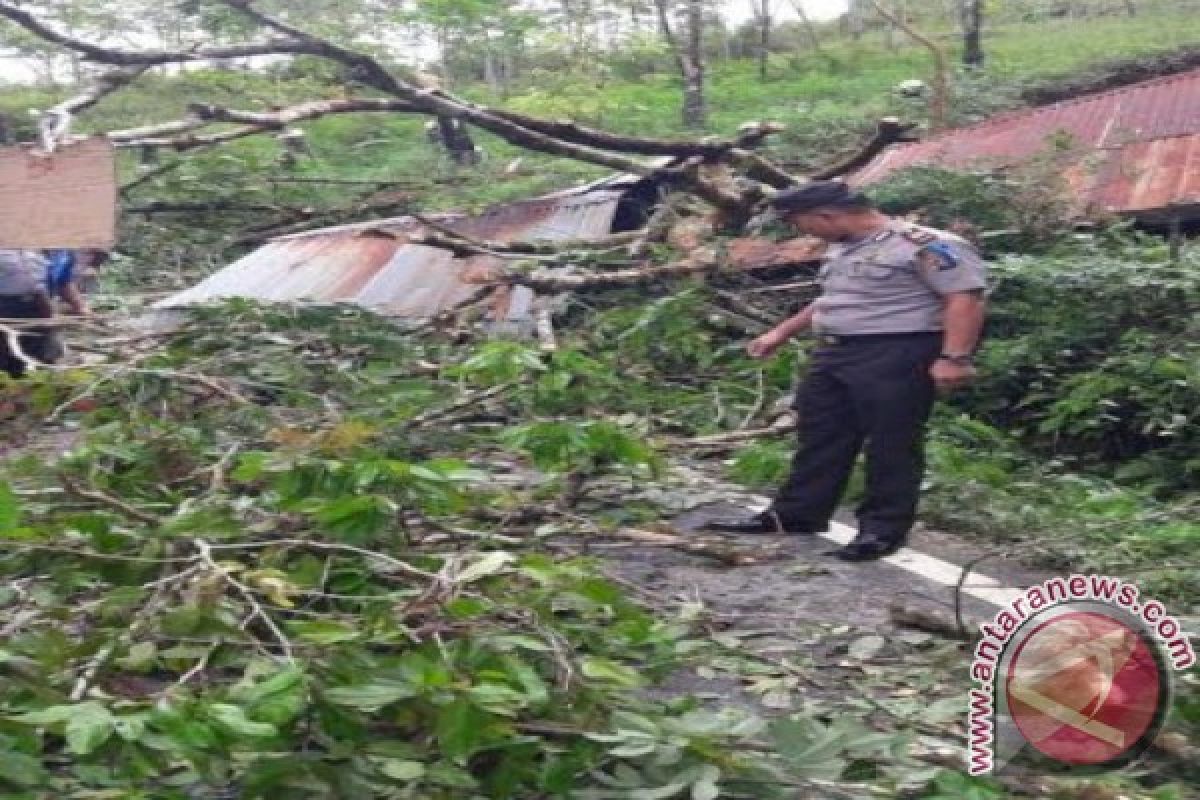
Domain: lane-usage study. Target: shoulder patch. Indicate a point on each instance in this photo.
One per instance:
(937, 256)
(918, 236)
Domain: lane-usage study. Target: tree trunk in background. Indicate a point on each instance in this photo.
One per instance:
(972, 22)
(689, 57)
(1131, 7)
(695, 112)
(443, 40)
(813, 38)
(491, 75)
(939, 102)
(854, 19)
(762, 16)
(456, 138)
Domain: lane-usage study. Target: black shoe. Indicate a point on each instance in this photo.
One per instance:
(867, 549)
(766, 522)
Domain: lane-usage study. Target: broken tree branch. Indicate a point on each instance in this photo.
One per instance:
(149, 58)
(193, 142)
(782, 424)
(889, 132)
(253, 122)
(445, 238)
(760, 169)
(442, 104)
(407, 95)
(149, 176)
(702, 262)
(104, 85)
(299, 113)
(749, 136)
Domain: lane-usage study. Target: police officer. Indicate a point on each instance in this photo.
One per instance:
(898, 318)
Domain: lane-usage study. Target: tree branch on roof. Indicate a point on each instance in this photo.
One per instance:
(707, 260)
(890, 131)
(465, 248)
(445, 236)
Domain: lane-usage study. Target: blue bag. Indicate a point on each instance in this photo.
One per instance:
(60, 270)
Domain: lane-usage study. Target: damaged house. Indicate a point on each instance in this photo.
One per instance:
(1130, 151)
(375, 265)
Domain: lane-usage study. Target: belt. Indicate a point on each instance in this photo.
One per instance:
(840, 338)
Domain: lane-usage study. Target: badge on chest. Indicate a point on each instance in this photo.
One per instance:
(878, 258)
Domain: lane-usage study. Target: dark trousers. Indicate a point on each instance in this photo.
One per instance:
(40, 344)
(872, 390)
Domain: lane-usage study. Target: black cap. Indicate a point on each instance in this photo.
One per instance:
(817, 194)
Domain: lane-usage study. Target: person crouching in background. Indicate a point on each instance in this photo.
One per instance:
(25, 293)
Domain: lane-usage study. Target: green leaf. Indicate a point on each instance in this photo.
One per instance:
(51, 715)
(812, 749)
(276, 700)
(233, 720)
(603, 669)
(20, 769)
(370, 696)
(487, 564)
(88, 728)
(406, 771)
(444, 774)
(460, 728)
(320, 631)
(10, 508)
(497, 699)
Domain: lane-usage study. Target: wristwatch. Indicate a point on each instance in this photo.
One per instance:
(959, 359)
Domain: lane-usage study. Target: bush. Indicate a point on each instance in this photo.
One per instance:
(1093, 356)
(1029, 203)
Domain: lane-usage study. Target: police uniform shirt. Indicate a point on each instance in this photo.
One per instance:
(894, 281)
(22, 272)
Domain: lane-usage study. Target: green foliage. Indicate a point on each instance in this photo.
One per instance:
(1116, 388)
(763, 464)
(981, 480)
(958, 786)
(263, 622)
(1029, 203)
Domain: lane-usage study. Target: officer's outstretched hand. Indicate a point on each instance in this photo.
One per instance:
(766, 345)
(948, 376)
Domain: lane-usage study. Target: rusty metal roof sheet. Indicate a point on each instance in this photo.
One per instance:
(372, 264)
(1133, 149)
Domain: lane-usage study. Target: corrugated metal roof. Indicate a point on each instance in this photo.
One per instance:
(1133, 149)
(372, 264)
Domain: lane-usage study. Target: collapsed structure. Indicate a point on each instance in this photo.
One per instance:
(1129, 151)
(1132, 151)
